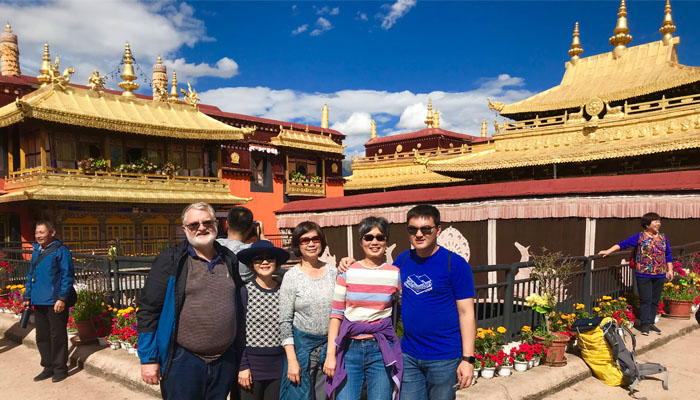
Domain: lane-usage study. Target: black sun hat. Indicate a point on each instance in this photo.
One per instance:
(259, 247)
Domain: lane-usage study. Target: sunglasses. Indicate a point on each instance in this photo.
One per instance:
(369, 238)
(263, 258)
(307, 240)
(425, 230)
(207, 224)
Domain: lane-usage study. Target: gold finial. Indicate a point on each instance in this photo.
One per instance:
(667, 27)
(429, 119)
(160, 81)
(8, 28)
(45, 70)
(9, 53)
(484, 130)
(173, 98)
(373, 134)
(621, 36)
(128, 75)
(436, 119)
(576, 49)
(324, 116)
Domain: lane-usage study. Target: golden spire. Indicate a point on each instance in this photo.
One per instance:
(373, 135)
(9, 53)
(429, 119)
(667, 27)
(484, 130)
(128, 83)
(173, 98)
(160, 81)
(324, 116)
(45, 70)
(576, 49)
(436, 119)
(621, 36)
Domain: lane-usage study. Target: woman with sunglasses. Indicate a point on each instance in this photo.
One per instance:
(305, 308)
(362, 343)
(260, 372)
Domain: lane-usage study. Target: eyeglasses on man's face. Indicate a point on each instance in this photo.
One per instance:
(193, 226)
(306, 240)
(425, 230)
(262, 258)
(369, 238)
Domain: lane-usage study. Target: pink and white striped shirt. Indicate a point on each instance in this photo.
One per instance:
(364, 294)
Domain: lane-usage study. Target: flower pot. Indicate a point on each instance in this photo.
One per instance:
(488, 372)
(535, 361)
(520, 366)
(476, 375)
(556, 350)
(693, 308)
(678, 309)
(114, 345)
(86, 330)
(505, 370)
(657, 318)
(102, 341)
(131, 350)
(530, 364)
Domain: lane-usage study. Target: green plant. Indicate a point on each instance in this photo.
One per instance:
(300, 176)
(88, 305)
(93, 164)
(550, 272)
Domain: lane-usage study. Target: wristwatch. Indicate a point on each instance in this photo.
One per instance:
(469, 359)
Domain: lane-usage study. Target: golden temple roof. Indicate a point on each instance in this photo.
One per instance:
(393, 174)
(306, 141)
(97, 109)
(640, 70)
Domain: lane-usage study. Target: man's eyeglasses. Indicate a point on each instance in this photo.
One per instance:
(425, 230)
(207, 224)
(369, 238)
(307, 240)
(263, 258)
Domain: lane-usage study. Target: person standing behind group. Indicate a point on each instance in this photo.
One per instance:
(653, 261)
(361, 330)
(305, 308)
(49, 284)
(241, 227)
(260, 373)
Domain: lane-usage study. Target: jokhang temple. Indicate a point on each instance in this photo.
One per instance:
(573, 168)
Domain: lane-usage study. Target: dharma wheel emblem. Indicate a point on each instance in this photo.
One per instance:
(235, 158)
(594, 107)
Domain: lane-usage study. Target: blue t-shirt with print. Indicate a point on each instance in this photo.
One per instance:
(428, 308)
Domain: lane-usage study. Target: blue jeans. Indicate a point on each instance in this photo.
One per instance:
(429, 379)
(191, 378)
(363, 361)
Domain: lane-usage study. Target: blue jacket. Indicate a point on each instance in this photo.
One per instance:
(53, 277)
(162, 299)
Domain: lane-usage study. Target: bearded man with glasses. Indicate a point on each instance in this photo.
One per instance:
(191, 317)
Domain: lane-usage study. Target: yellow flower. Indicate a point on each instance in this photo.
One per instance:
(622, 298)
(480, 335)
(479, 329)
(501, 330)
(526, 329)
(607, 304)
(596, 309)
(607, 298)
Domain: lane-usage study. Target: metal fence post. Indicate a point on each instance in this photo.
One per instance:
(587, 280)
(117, 289)
(508, 298)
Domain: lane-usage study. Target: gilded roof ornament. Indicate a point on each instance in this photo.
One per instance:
(575, 51)
(324, 116)
(97, 82)
(173, 98)
(9, 53)
(436, 119)
(58, 79)
(190, 96)
(429, 118)
(484, 130)
(667, 27)
(160, 81)
(621, 36)
(373, 134)
(128, 75)
(45, 70)
(495, 105)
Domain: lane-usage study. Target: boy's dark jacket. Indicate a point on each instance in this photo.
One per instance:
(162, 299)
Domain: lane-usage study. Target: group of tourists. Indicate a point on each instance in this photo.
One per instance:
(216, 320)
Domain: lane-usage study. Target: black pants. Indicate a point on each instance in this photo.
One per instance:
(649, 296)
(262, 390)
(52, 338)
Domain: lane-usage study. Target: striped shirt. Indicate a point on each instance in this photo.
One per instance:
(364, 294)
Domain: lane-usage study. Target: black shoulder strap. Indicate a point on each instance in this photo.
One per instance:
(408, 254)
(41, 258)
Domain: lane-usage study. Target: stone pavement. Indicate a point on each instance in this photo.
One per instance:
(541, 382)
(676, 348)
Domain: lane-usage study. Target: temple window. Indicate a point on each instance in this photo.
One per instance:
(303, 166)
(134, 151)
(122, 229)
(65, 151)
(261, 172)
(116, 152)
(81, 233)
(156, 235)
(155, 152)
(32, 150)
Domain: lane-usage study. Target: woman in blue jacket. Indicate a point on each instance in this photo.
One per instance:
(49, 284)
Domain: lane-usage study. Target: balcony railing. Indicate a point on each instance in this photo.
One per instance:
(305, 188)
(129, 175)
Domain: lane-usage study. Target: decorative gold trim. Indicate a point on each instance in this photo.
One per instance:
(306, 141)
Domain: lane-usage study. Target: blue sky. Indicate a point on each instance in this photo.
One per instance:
(367, 59)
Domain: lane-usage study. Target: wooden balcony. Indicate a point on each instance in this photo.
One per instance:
(305, 188)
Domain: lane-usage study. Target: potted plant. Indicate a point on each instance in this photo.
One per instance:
(505, 362)
(679, 294)
(521, 355)
(489, 369)
(489, 341)
(87, 306)
(478, 365)
(5, 271)
(526, 335)
(550, 271)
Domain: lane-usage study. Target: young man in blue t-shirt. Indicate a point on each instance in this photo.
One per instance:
(437, 310)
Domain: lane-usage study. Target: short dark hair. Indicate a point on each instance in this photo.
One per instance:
(240, 219)
(368, 223)
(425, 211)
(648, 218)
(302, 229)
(47, 224)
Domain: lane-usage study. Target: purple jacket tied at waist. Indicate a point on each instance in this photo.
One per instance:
(383, 332)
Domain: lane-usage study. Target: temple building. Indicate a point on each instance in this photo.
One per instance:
(105, 164)
(573, 168)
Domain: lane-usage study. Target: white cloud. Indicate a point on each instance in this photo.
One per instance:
(300, 29)
(361, 16)
(322, 25)
(351, 110)
(396, 11)
(334, 11)
(93, 37)
(224, 68)
(327, 10)
(294, 9)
